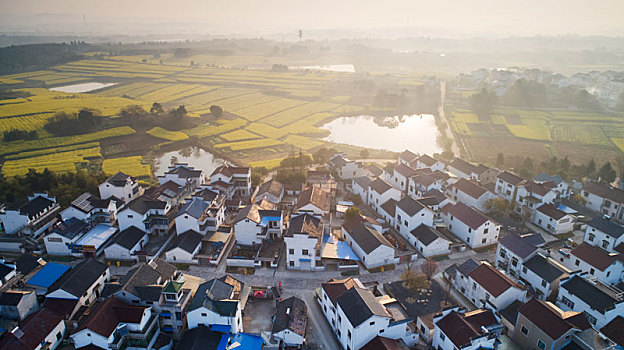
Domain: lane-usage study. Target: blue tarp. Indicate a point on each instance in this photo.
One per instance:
(265, 220)
(565, 209)
(337, 249)
(221, 328)
(49, 274)
(246, 341)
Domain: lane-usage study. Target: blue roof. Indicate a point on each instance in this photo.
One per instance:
(221, 328)
(565, 209)
(49, 274)
(343, 251)
(265, 220)
(246, 341)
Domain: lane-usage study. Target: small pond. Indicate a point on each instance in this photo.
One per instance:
(343, 68)
(84, 87)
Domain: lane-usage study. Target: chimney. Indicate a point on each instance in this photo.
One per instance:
(17, 332)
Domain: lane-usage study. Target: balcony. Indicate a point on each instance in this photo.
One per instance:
(135, 339)
(186, 297)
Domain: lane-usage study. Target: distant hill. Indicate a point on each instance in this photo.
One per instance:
(23, 58)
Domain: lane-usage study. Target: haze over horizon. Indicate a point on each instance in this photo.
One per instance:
(319, 19)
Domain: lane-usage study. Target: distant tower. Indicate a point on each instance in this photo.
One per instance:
(300, 35)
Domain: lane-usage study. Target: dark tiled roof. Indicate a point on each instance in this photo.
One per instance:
(520, 247)
(543, 177)
(374, 169)
(70, 228)
(187, 241)
(470, 188)
(459, 328)
(118, 180)
(462, 166)
(589, 293)
(200, 338)
(604, 191)
(410, 206)
(468, 215)
(381, 343)
(389, 206)
(306, 223)
(5, 270)
(425, 234)
(380, 186)
(549, 319)
(404, 170)
(143, 204)
(35, 206)
(359, 305)
(432, 197)
(184, 172)
(216, 294)
(534, 238)
(595, 256)
(336, 287)
(36, 327)
(408, 156)
(367, 238)
(63, 307)
(291, 314)
(539, 189)
(148, 293)
(315, 196)
(427, 160)
(107, 315)
(363, 181)
(129, 237)
(12, 297)
(253, 211)
(607, 226)
(26, 263)
(545, 268)
(81, 277)
(492, 280)
(614, 330)
(273, 187)
(467, 267)
(510, 313)
(228, 170)
(510, 178)
(195, 207)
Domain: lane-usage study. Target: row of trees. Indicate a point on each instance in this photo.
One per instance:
(14, 135)
(63, 123)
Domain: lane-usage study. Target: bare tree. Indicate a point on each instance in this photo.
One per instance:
(429, 268)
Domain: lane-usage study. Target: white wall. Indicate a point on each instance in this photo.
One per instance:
(13, 221)
(602, 239)
(177, 255)
(382, 255)
(405, 224)
(246, 232)
(563, 225)
(206, 317)
(129, 217)
(580, 305)
(117, 252)
(610, 275)
(376, 199)
(298, 243)
(289, 337)
(72, 212)
(438, 247)
(473, 237)
(58, 248)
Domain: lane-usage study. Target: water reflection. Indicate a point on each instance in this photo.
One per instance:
(417, 133)
(194, 156)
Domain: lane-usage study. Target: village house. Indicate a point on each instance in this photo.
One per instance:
(553, 220)
(531, 195)
(543, 275)
(512, 252)
(487, 287)
(374, 170)
(232, 181)
(43, 280)
(89, 207)
(470, 193)
(114, 324)
(400, 176)
(369, 245)
(423, 182)
(462, 169)
(257, 222)
(201, 215)
(272, 190)
(456, 328)
(142, 285)
(63, 235)
(409, 214)
(600, 303)
(407, 157)
(388, 211)
(562, 188)
(120, 186)
(303, 241)
(470, 225)
(605, 234)
(507, 185)
(184, 248)
(379, 191)
(315, 201)
(169, 192)
(426, 161)
(599, 263)
(429, 242)
(359, 186)
(485, 175)
(290, 321)
(43, 329)
(604, 199)
(7, 272)
(387, 173)
(152, 216)
(183, 175)
(32, 218)
(220, 301)
(126, 244)
(174, 300)
(347, 169)
(434, 200)
(322, 179)
(18, 304)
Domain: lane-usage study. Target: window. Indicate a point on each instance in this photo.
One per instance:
(349, 334)
(577, 262)
(305, 252)
(591, 237)
(502, 253)
(485, 231)
(592, 271)
(130, 216)
(590, 318)
(484, 240)
(59, 335)
(382, 330)
(292, 263)
(178, 316)
(474, 285)
(605, 244)
(204, 314)
(469, 230)
(514, 262)
(524, 269)
(442, 337)
(372, 323)
(291, 251)
(524, 330)
(543, 283)
(541, 345)
(567, 302)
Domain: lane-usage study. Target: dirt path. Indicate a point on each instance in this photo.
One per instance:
(449, 133)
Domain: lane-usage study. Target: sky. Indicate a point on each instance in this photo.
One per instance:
(253, 17)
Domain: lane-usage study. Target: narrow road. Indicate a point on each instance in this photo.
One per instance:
(326, 338)
(449, 133)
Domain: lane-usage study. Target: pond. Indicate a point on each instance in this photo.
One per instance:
(342, 68)
(194, 156)
(84, 87)
(418, 133)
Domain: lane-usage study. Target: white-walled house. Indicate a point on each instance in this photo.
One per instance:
(313, 200)
(369, 245)
(512, 252)
(456, 328)
(401, 175)
(531, 195)
(606, 234)
(604, 199)
(489, 288)
(18, 304)
(470, 193)
(430, 242)
(126, 244)
(32, 218)
(348, 169)
(379, 191)
(63, 235)
(388, 211)
(272, 190)
(220, 301)
(120, 186)
(236, 179)
(42, 327)
(148, 214)
(543, 274)
(422, 182)
(303, 241)
(183, 175)
(460, 168)
(507, 185)
(407, 157)
(184, 248)
(562, 188)
(600, 303)
(409, 214)
(597, 262)
(426, 161)
(470, 225)
(83, 283)
(200, 215)
(289, 323)
(359, 186)
(114, 324)
(553, 220)
(89, 207)
(256, 222)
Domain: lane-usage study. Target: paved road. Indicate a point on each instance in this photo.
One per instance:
(449, 133)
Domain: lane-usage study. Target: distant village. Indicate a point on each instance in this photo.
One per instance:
(417, 253)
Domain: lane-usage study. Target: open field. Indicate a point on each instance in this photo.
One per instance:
(167, 135)
(58, 162)
(130, 165)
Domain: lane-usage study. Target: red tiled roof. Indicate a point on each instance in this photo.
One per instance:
(381, 343)
(461, 329)
(470, 188)
(107, 315)
(595, 256)
(468, 215)
(316, 196)
(492, 280)
(551, 211)
(510, 178)
(551, 320)
(36, 328)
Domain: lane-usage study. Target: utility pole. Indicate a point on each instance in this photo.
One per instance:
(300, 35)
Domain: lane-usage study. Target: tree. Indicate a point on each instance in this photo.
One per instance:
(500, 160)
(527, 167)
(216, 111)
(482, 104)
(352, 212)
(322, 155)
(429, 268)
(132, 111)
(157, 108)
(496, 205)
(414, 280)
(590, 168)
(364, 154)
(179, 112)
(606, 173)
